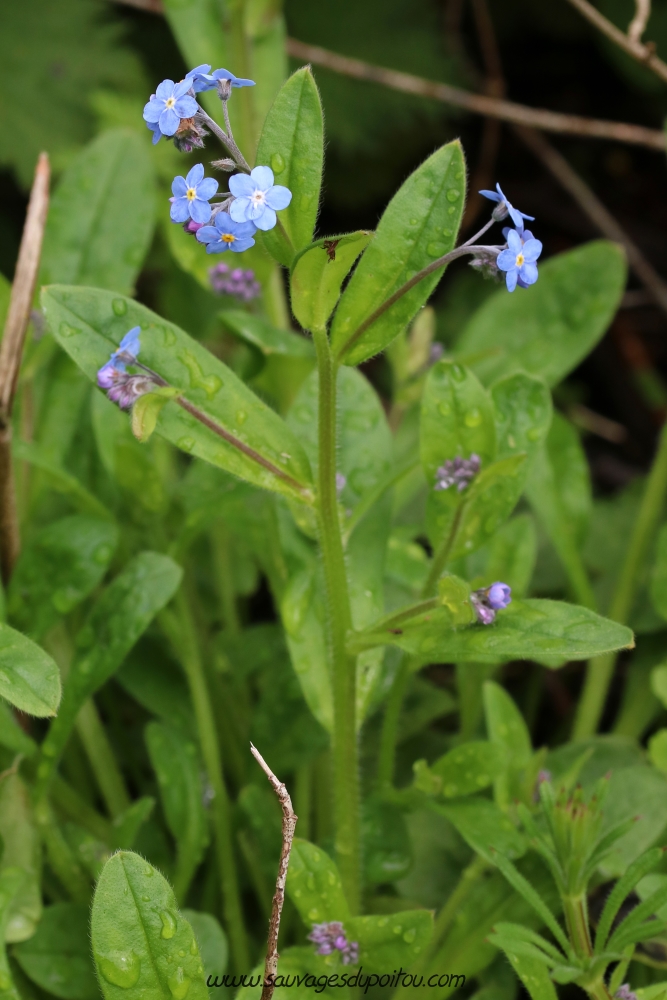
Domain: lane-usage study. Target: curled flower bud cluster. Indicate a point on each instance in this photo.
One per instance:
(489, 600)
(330, 937)
(457, 472)
(236, 282)
(121, 387)
(625, 993)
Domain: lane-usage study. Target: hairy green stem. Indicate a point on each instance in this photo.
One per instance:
(102, 759)
(601, 668)
(180, 629)
(339, 622)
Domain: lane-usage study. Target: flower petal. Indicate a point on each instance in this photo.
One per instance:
(194, 175)
(186, 107)
(263, 177)
(165, 90)
(531, 250)
(266, 220)
(169, 121)
(182, 88)
(218, 247)
(198, 70)
(222, 74)
(179, 187)
(528, 272)
(179, 211)
(241, 185)
(207, 188)
(208, 234)
(516, 217)
(238, 209)
(506, 260)
(200, 211)
(153, 110)
(511, 279)
(514, 241)
(239, 81)
(131, 341)
(278, 197)
(238, 246)
(244, 230)
(491, 195)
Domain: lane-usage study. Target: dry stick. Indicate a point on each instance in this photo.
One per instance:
(643, 53)
(11, 350)
(289, 824)
(557, 165)
(637, 25)
(491, 107)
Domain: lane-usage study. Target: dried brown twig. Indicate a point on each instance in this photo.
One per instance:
(642, 52)
(289, 824)
(11, 350)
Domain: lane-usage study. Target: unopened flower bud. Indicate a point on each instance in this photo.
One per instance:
(457, 472)
(225, 164)
(224, 89)
(625, 993)
(488, 600)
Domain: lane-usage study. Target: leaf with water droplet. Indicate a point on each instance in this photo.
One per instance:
(318, 273)
(310, 870)
(209, 943)
(132, 956)
(386, 944)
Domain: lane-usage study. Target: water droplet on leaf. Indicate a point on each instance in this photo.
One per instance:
(277, 163)
(119, 306)
(473, 418)
(453, 194)
(68, 331)
(119, 968)
(168, 924)
(179, 984)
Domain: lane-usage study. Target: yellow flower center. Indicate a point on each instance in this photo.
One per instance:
(191, 194)
(519, 259)
(228, 238)
(169, 103)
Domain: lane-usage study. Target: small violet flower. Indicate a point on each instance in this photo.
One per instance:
(488, 600)
(457, 472)
(505, 208)
(257, 198)
(518, 261)
(330, 937)
(192, 195)
(625, 993)
(205, 80)
(236, 282)
(168, 105)
(113, 377)
(226, 234)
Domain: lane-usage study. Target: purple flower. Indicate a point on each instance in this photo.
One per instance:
(226, 234)
(209, 81)
(127, 389)
(518, 261)
(457, 472)
(330, 937)
(488, 600)
(169, 104)
(257, 198)
(499, 595)
(625, 993)
(236, 282)
(192, 195)
(113, 377)
(506, 208)
(192, 227)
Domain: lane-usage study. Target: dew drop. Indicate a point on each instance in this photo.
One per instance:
(313, 914)
(398, 929)
(119, 968)
(473, 418)
(534, 434)
(413, 222)
(186, 443)
(168, 924)
(453, 194)
(436, 249)
(446, 232)
(178, 984)
(241, 417)
(332, 878)
(277, 163)
(382, 922)
(181, 953)
(304, 201)
(193, 947)
(310, 882)
(119, 306)
(458, 373)
(168, 337)
(149, 870)
(146, 899)
(410, 935)
(211, 384)
(444, 408)
(68, 331)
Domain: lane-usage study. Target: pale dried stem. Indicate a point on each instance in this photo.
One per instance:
(11, 350)
(638, 50)
(289, 824)
(588, 201)
(637, 25)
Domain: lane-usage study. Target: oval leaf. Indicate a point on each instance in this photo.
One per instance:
(318, 274)
(57, 957)
(386, 942)
(419, 225)
(29, 678)
(314, 885)
(468, 768)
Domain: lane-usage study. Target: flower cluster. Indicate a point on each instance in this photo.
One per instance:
(457, 472)
(488, 600)
(121, 387)
(330, 937)
(625, 993)
(518, 260)
(236, 282)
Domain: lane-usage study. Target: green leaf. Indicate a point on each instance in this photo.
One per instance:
(658, 587)
(314, 885)
(58, 569)
(60, 480)
(484, 827)
(102, 215)
(178, 770)
(12, 736)
(21, 849)
(392, 941)
(457, 419)
(523, 631)
(419, 225)
(11, 882)
(160, 687)
(29, 678)
(292, 145)
(533, 898)
(147, 409)
(318, 273)
(142, 945)
(548, 330)
(626, 883)
(508, 731)
(90, 323)
(212, 941)
(657, 991)
(468, 768)
(57, 957)
(454, 595)
(386, 847)
(266, 338)
(639, 793)
(523, 412)
(487, 503)
(120, 616)
(534, 975)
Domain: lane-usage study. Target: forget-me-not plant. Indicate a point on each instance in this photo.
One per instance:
(257, 198)
(518, 260)
(505, 208)
(226, 234)
(168, 105)
(192, 195)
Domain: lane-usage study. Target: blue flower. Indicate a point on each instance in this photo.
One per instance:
(194, 76)
(518, 261)
(169, 104)
(226, 234)
(126, 354)
(499, 595)
(257, 198)
(157, 133)
(515, 215)
(192, 195)
(209, 81)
